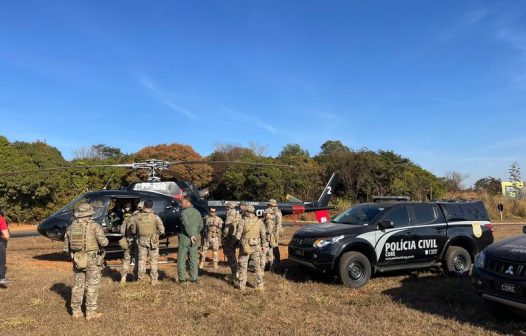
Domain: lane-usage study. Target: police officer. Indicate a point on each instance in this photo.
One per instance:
(188, 244)
(148, 227)
(82, 241)
(276, 234)
(214, 224)
(252, 236)
(129, 243)
(230, 241)
(270, 225)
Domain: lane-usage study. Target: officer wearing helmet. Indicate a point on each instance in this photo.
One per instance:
(83, 239)
(128, 243)
(273, 218)
(252, 236)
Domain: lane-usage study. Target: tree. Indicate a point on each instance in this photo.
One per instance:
(453, 181)
(515, 174)
(98, 152)
(489, 184)
(199, 174)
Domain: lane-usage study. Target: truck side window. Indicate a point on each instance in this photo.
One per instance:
(424, 214)
(399, 216)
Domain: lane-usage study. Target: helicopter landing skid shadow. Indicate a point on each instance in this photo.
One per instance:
(56, 256)
(65, 293)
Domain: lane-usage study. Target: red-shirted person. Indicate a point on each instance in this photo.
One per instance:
(4, 236)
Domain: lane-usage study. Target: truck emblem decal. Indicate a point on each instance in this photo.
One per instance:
(509, 270)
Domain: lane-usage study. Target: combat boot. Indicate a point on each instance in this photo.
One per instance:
(92, 316)
(260, 287)
(76, 314)
(123, 281)
(154, 282)
(216, 266)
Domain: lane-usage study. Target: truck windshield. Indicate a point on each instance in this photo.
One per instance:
(357, 215)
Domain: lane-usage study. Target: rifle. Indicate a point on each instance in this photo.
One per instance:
(204, 237)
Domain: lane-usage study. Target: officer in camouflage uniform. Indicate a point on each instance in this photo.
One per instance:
(82, 241)
(148, 227)
(230, 241)
(251, 233)
(275, 260)
(126, 232)
(214, 225)
(270, 228)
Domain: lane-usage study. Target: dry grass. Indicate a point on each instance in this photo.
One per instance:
(295, 303)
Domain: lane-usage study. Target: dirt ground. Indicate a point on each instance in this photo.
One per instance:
(295, 302)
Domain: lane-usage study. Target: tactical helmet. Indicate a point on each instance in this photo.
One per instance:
(272, 202)
(250, 208)
(84, 210)
(231, 205)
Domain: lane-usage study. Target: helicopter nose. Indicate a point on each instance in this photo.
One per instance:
(50, 228)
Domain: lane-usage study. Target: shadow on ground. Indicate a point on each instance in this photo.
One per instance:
(64, 291)
(451, 298)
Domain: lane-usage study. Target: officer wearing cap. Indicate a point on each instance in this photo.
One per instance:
(252, 236)
(230, 241)
(274, 228)
(192, 224)
(82, 241)
(214, 224)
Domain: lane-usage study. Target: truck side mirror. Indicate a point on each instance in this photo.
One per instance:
(386, 224)
(524, 229)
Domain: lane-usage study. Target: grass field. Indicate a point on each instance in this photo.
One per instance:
(294, 303)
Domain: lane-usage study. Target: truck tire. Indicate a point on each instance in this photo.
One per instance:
(457, 261)
(355, 269)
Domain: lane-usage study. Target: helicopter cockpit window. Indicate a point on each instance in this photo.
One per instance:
(97, 203)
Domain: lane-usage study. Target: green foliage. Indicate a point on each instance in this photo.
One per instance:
(31, 197)
(491, 185)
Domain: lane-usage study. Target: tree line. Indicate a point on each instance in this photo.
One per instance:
(30, 197)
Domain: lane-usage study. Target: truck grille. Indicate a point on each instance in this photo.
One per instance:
(302, 242)
(505, 268)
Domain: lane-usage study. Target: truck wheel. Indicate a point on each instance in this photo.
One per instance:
(355, 269)
(457, 261)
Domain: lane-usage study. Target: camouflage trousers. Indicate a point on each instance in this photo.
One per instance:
(267, 256)
(129, 254)
(86, 281)
(229, 249)
(244, 259)
(211, 242)
(147, 250)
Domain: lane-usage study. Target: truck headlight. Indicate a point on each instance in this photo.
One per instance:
(479, 261)
(322, 242)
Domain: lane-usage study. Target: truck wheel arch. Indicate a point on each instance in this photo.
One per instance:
(461, 241)
(361, 246)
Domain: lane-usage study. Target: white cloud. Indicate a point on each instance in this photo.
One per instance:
(164, 97)
(249, 120)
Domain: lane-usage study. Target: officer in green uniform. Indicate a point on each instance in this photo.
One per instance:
(82, 241)
(188, 245)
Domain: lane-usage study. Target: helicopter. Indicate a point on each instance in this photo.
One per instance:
(109, 205)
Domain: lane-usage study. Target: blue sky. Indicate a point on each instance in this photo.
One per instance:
(441, 82)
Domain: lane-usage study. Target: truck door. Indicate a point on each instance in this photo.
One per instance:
(430, 231)
(395, 245)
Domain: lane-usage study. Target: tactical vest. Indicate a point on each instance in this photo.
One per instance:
(146, 224)
(81, 238)
(252, 228)
(213, 230)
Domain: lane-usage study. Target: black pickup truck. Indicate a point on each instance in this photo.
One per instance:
(380, 237)
(499, 275)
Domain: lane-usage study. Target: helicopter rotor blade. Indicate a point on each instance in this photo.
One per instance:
(231, 162)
